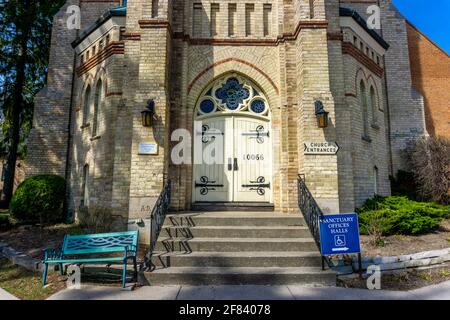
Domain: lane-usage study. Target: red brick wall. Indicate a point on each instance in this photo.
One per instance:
(430, 69)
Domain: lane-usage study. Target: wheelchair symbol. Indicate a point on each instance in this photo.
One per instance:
(339, 240)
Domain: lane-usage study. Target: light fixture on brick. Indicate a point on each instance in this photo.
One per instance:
(148, 114)
(321, 114)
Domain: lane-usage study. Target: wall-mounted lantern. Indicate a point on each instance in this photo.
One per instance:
(321, 114)
(148, 114)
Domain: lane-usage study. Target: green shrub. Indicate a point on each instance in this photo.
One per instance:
(399, 215)
(39, 199)
(373, 226)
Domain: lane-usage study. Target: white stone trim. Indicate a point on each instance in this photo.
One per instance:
(349, 22)
(20, 258)
(102, 30)
(420, 259)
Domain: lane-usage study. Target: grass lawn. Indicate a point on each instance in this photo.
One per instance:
(25, 284)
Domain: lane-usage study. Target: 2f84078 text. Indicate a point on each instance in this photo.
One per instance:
(254, 309)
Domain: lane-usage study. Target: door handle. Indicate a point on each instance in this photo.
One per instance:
(230, 165)
(235, 165)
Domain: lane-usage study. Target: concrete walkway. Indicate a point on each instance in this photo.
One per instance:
(4, 295)
(436, 292)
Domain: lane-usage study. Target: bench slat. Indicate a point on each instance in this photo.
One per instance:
(93, 260)
(100, 243)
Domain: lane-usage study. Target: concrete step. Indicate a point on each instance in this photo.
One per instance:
(234, 219)
(235, 232)
(235, 244)
(213, 248)
(233, 206)
(236, 259)
(229, 275)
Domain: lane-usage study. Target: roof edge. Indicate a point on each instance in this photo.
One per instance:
(427, 37)
(120, 11)
(346, 12)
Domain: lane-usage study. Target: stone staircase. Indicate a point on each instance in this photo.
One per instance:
(216, 248)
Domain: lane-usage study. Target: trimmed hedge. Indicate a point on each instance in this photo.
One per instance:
(39, 199)
(399, 215)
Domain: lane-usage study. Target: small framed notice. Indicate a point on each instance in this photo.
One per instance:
(150, 148)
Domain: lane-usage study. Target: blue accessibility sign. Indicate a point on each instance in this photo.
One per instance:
(339, 234)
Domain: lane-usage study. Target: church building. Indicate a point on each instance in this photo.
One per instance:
(318, 90)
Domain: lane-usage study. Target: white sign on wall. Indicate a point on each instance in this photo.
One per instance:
(325, 148)
(148, 148)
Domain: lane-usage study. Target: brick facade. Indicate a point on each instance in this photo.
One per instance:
(430, 69)
(295, 53)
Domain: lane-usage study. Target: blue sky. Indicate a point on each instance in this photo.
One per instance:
(432, 17)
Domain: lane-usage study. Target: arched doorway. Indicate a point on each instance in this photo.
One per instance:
(232, 143)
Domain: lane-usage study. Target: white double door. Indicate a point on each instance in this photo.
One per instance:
(236, 161)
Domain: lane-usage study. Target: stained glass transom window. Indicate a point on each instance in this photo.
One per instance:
(207, 106)
(258, 106)
(232, 94)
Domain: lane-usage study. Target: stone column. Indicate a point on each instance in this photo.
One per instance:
(147, 64)
(313, 83)
(343, 112)
(402, 99)
(47, 151)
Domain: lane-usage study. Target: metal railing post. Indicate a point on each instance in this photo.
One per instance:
(157, 217)
(311, 212)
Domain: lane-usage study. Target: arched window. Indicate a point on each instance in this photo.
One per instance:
(363, 100)
(86, 101)
(373, 104)
(155, 4)
(85, 186)
(375, 180)
(97, 106)
(233, 94)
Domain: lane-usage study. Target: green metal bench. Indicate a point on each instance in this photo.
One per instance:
(86, 245)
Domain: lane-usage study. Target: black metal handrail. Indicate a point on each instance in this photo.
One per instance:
(312, 213)
(309, 208)
(157, 218)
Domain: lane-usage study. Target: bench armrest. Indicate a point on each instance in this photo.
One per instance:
(52, 254)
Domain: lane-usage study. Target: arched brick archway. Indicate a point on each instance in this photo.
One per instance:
(182, 174)
(233, 116)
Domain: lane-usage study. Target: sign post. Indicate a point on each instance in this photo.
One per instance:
(339, 234)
